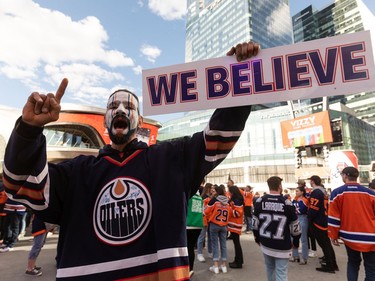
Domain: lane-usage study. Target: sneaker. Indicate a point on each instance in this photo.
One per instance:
(210, 255)
(191, 273)
(34, 272)
(214, 269)
(37, 267)
(293, 259)
(302, 262)
(6, 249)
(224, 269)
(312, 254)
(201, 258)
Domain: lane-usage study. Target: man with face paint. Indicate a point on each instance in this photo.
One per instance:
(122, 214)
(122, 118)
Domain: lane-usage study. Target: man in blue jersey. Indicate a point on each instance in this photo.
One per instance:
(318, 221)
(276, 229)
(122, 214)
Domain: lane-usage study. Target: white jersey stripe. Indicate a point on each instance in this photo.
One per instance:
(27, 203)
(32, 179)
(121, 264)
(226, 134)
(215, 157)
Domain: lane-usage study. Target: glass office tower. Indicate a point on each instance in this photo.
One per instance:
(213, 26)
(340, 17)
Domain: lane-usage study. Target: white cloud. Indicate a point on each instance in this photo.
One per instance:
(168, 9)
(87, 82)
(150, 52)
(137, 69)
(39, 42)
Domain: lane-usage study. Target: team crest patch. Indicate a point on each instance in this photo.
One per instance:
(122, 211)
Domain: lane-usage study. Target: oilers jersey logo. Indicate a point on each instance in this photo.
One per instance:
(122, 211)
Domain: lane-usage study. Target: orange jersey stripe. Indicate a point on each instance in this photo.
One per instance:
(177, 273)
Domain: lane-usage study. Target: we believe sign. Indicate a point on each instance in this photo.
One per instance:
(337, 65)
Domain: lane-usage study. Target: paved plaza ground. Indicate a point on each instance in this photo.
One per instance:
(13, 264)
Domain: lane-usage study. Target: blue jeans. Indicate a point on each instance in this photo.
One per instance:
(248, 217)
(354, 262)
(38, 244)
(248, 221)
(12, 230)
(276, 268)
(201, 238)
(218, 235)
(304, 222)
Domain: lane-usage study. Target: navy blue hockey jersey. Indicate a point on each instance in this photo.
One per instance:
(276, 225)
(122, 215)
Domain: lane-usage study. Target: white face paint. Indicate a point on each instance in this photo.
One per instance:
(122, 117)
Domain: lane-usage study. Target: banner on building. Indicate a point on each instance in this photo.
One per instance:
(307, 130)
(331, 66)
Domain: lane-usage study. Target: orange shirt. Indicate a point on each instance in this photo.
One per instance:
(248, 197)
(236, 217)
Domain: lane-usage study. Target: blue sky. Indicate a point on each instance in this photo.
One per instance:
(99, 45)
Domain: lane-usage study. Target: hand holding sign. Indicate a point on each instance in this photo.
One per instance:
(244, 51)
(41, 109)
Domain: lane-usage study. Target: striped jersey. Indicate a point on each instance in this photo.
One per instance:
(236, 216)
(318, 208)
(275, 225)
(351, 216)
(301, 204)
(218, 210)
(205, 203)
(122, 214)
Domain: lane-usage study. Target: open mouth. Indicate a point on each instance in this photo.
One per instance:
(120, 123)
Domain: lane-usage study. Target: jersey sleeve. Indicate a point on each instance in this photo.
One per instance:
(206, 150)
(294, 225)
(302, 206)
(255, 219)
(334, 216)
(27, 175)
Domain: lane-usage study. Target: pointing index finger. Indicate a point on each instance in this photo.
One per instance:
(61, 90)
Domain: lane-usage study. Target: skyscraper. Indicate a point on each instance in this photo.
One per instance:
(340, 17)
(213, 26)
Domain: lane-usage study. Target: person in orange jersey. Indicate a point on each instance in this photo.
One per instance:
(236, 217)
(248, 207)
(217, 213)
(351, 217)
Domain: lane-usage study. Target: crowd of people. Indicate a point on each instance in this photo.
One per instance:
(229, 211)
(287, 227)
